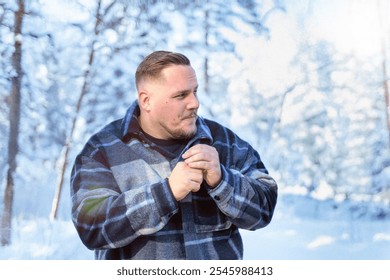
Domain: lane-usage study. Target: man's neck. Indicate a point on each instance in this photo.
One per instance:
(171, 146)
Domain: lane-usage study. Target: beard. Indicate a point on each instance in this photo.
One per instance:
(180, 133)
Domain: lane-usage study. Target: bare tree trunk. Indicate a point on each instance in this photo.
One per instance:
(386, 93)
(14, 120)
(83, 92)
(206, 43)
(385, 72)
(206, 61)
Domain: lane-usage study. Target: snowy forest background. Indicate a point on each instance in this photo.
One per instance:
(305, 82)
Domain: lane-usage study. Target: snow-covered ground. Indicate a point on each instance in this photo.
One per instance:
(303, 228)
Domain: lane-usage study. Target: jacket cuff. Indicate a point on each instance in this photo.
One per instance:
(166, 203)
(222, 193)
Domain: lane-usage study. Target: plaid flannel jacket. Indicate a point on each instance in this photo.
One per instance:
(123, 208)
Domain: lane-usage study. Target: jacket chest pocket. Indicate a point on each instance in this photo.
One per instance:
(207, 216)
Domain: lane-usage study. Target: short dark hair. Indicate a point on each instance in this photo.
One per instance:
(154, 63)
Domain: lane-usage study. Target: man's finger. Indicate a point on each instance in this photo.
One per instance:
(202, 165)
(194, 150)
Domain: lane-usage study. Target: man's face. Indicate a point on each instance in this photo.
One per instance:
(173, 103)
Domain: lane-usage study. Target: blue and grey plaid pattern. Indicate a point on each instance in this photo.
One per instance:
(123, 208)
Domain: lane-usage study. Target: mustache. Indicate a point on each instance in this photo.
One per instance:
(190, 116)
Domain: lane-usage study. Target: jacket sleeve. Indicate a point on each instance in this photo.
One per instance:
(247, 194)
(105, 217)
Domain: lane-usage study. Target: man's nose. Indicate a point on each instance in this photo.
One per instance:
(193, 102)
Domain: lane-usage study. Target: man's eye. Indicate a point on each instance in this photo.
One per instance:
(181, 96)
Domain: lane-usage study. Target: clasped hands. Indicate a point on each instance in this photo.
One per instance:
(201, 162)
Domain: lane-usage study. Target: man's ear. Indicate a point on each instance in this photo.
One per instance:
(144, 100)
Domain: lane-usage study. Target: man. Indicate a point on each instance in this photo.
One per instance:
(163, 183)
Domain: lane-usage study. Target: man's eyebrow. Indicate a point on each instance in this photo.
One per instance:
(187, 90)
(194, 89)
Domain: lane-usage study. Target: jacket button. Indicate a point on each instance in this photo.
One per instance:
(217, 197)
